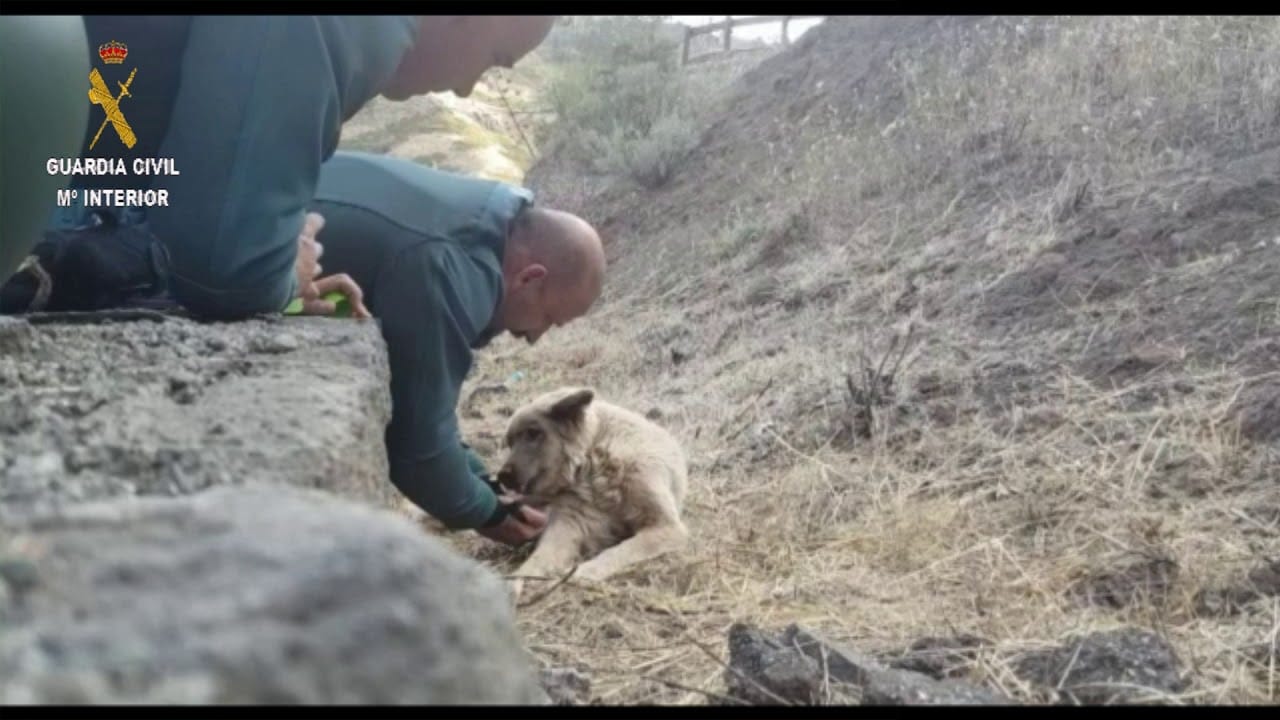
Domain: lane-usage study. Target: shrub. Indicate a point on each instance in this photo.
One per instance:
(622, 103)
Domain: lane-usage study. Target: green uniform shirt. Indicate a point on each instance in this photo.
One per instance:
(426, 247)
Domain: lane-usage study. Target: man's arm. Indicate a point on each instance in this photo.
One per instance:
(259, 106)
(448, 489)
(474, 462)
(432, 300)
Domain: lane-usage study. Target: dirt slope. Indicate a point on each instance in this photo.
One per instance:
(477, 134)
(970, 327)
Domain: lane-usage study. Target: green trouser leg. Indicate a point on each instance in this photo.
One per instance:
(44, 109)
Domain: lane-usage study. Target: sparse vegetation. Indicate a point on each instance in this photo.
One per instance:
(622, 103)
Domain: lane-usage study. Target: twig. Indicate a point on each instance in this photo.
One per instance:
(791, 448)
(549, 590)
(743, 411)
(677, 686)
(711, 654)
(496, 388)
(1271, 657)
(906, 348)
(502, 95)
(1070, 666)
(893, 344)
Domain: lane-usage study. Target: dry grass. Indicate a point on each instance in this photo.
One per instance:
(964, 529)
(999, 477)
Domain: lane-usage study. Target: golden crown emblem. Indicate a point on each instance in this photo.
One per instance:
(113, 53)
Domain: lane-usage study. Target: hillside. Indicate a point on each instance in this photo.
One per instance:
(480, 134)
(971, 329)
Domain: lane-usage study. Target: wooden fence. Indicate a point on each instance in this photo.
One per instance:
(727, 25)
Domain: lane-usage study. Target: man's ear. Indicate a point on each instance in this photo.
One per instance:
(571, 408)
(531, 273)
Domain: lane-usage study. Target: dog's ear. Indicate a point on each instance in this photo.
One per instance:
(570, 409)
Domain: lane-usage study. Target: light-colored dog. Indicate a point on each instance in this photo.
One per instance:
(611, 481)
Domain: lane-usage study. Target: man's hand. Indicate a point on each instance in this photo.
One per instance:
(308, 268)
(522, 525)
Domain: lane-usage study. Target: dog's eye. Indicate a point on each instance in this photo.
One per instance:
(533, 434)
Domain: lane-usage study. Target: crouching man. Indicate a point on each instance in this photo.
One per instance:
(446, 263)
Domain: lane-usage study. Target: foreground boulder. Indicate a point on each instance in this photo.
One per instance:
(256, 594)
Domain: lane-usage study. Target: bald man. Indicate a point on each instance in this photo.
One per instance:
(446, 263)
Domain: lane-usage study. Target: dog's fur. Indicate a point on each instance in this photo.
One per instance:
(612, 482)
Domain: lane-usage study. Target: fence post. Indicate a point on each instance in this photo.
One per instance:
(785, 39)
(728, 33)
(684, 47)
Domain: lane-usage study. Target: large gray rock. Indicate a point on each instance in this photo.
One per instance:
(255, 594)
(98, 410)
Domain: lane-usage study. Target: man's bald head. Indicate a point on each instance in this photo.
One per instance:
(568, 246)
(553, 271)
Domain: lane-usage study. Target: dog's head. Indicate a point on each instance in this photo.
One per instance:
(543, 438)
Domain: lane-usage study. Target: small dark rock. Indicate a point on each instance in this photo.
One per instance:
(939, 657)
(654, 414)
(1258, 412)
(1147, 580)
(15, 417)
(21, 575)
(1120, 666)
(1263, 653)
(279, 343)
(1265, 578)
(566, 686)
(15, 335)
(1262, 582)
(184, 388)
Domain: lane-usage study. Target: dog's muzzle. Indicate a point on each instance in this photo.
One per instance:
(507, 479)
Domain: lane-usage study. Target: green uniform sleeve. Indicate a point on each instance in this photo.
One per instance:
(474, 462)
(433, 300)
(447, 489)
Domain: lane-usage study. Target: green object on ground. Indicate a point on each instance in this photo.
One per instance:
(44, 90)
(337, 298)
